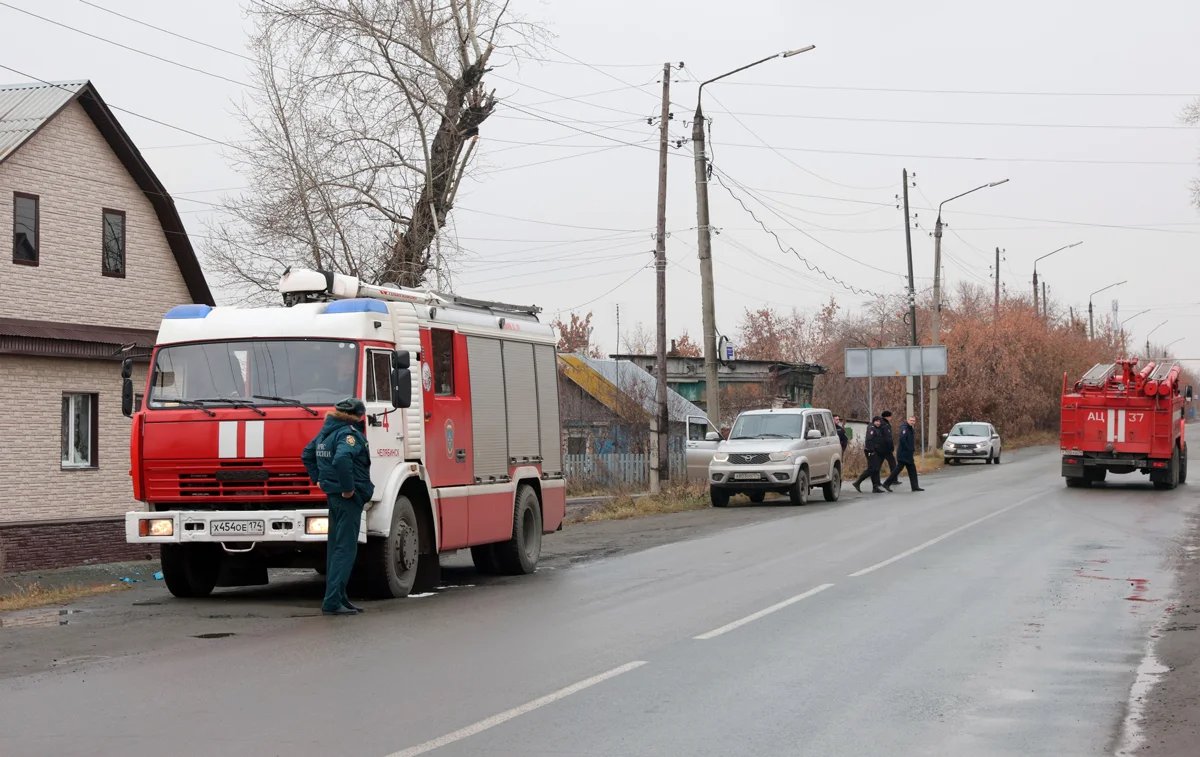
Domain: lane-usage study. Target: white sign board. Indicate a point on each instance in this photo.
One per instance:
(881, 362)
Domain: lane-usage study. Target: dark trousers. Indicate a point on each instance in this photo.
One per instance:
(890, 459)
(894, 477)
(345, 516)
(872, 472)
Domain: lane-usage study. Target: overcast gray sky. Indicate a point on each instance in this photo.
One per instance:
(563, 218)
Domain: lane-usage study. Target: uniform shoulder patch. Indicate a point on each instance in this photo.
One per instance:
(350, 440)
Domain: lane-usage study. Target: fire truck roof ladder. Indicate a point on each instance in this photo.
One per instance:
(306, 285)
(1161, 371)
(1099, 374)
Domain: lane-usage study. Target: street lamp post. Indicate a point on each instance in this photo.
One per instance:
(704, 232)
(931, 435)
(1167, 346)
(1148, 333)
(1035, 279)
(1091, 319)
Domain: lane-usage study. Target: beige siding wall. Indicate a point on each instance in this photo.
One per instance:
(33, 484)
(75, 173)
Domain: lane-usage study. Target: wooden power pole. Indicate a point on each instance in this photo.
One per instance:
(661, 429)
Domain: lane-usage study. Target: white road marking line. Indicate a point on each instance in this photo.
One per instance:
(508, 715)
(761, 613)
(946, 535)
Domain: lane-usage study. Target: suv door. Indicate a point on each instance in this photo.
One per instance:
(815, 449)
(833, 446)
(699, 449)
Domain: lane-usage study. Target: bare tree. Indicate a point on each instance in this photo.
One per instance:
(363, 123)
(1191, 116)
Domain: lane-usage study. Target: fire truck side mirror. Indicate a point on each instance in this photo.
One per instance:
(401, 380)
(127, 387)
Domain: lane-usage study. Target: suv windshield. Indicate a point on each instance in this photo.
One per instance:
(970, 429)
(775, 425)
(317, 372)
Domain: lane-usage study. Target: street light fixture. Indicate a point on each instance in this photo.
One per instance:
(931, 435)
(1149, 333)
(1035, 279)
(1167, 346)
(704, 232)
(1135, 315)
(1091, 320)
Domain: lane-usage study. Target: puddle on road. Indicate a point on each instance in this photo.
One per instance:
(36, 618)
(220, 635)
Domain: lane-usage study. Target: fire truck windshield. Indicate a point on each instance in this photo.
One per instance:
(310, 371)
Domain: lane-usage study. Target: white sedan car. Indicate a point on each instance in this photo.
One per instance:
(972, 440)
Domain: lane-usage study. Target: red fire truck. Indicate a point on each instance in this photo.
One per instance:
(462, 422)
(1118, 419)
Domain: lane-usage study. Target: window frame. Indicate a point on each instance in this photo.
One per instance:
(438, 373)
(37, 229)
(104, 213)
(372, 385)
(93, 462)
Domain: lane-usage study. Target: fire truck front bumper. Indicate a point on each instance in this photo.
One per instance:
(224, 526)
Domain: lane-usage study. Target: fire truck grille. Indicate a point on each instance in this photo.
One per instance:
(257, 482)
(756, 459)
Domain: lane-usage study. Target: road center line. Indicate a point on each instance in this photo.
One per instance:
(507, 715)
(761, 613)
(947, 535)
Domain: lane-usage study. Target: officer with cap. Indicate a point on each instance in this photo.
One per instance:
(338, 460)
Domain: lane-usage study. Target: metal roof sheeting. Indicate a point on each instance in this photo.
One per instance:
(621, 378)
(25, 107)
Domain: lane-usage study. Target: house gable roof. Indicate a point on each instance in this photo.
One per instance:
(26, 108)
(624, 388)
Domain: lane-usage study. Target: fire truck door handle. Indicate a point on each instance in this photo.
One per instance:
(460, 455)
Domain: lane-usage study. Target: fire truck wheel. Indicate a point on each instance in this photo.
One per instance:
(1076, 482)
(391, 563)
(519, 555)
(1172, 473)
(484, 558)
(191, 570)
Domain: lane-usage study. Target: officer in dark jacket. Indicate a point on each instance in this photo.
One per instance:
(339, 461)
(907, 456)
(887, 446)
(840, 425)
(871, 447)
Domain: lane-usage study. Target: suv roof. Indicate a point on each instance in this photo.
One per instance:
(784, 411)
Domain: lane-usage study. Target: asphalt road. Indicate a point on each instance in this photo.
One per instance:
(997, 613)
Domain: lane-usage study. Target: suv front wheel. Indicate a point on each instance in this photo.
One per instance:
(798, 492)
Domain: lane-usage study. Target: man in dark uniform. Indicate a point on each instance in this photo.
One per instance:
(906, 453)
(871, 448)
(887, 446)
(840, 426)
(339, 461)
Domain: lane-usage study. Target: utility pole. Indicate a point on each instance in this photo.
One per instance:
(1091, 322)
(997, 305)
(912, 293)
(931, 436)
(1036, 310)
(661, 430)
(1045, 302)
(704, 242)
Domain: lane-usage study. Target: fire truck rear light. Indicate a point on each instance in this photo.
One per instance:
(1072, 460)
(316, 524)
(1158, 464)
(156, 527)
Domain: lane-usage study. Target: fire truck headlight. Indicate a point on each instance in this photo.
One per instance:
(157, 527)
(316, 524)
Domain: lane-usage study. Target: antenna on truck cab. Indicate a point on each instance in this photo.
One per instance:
(306, 285)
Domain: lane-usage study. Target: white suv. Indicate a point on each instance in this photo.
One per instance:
(788, 451)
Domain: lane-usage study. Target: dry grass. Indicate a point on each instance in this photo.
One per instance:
(675, 499)
(35, 595)
(1033, 439)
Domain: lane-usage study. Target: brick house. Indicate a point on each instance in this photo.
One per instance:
(98, 254)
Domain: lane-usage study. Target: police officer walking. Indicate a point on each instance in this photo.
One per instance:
(906, 454)
(339, 461)
(871, 448)
(887, 444)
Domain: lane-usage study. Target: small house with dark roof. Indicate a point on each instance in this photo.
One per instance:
(98, 254)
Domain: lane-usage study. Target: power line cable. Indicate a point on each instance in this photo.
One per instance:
(961, 91)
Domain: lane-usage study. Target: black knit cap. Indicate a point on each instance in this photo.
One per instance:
(886, 414)
(351, 406)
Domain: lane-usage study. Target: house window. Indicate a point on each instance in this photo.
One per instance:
(79, 425)
(443, 362)
(114, 243)
(379, 376)
(25, 228)
(576, 445)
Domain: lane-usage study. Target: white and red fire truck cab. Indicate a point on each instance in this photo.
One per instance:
(462, 422)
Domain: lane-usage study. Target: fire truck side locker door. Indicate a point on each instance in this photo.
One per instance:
(446, 392)
(492, 500)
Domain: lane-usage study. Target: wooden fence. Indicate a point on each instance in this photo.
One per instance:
(616, 470)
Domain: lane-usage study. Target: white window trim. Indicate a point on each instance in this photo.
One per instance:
(73, 400)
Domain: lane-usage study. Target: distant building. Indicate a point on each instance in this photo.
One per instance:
(98, 254)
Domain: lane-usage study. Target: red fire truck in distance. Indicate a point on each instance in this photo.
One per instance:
(1117, 419)
(462, 422)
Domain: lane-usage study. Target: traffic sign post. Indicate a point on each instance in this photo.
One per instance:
(870, 363)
